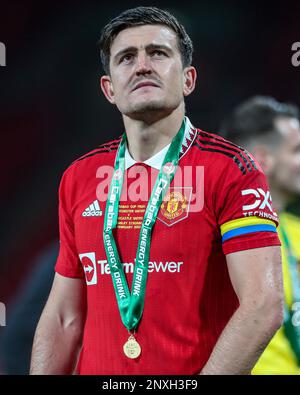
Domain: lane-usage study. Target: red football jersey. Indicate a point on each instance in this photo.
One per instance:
(217, 203)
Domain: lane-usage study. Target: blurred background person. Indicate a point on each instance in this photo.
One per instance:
(270, 131)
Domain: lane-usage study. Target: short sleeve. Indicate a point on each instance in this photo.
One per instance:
(246, 216)
(68, 263)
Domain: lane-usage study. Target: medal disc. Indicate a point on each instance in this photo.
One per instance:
(131, 348)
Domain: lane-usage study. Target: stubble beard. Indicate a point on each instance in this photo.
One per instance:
(148, 111)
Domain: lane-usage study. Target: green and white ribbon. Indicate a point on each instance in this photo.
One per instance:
(131, 305)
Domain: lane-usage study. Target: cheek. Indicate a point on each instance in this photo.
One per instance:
(175, 83)
(119, 83)
(172, 73)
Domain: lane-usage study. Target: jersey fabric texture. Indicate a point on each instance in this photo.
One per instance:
(218, 203)
(279, 357)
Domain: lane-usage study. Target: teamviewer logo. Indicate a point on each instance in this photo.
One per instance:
(2, 314)
(88, 261)
(2, 55)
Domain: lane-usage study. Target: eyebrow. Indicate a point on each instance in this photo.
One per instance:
(148, 47)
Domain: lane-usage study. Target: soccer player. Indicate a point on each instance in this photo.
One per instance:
(271, 131)
(164, 265)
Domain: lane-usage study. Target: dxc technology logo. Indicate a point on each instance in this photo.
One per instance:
(263, 199)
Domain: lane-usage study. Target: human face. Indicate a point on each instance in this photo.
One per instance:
(146, 73)
(286, 171)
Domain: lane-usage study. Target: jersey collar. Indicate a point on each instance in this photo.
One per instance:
(156, 160)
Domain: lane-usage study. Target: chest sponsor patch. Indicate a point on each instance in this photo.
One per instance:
(94, 268)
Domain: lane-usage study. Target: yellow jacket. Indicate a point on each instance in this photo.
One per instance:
(279, 357)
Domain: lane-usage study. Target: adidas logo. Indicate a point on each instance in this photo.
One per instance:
(93, 210)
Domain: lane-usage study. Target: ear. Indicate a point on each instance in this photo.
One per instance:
(189, 82)
(107, 88)
(264, 157)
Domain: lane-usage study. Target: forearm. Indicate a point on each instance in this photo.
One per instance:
(242, 341)
(56, 347)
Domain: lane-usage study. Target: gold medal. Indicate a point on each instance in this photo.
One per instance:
(131, 348)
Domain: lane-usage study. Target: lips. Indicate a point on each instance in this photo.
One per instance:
(144, 83)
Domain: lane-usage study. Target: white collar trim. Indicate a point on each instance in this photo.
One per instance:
(156, 160)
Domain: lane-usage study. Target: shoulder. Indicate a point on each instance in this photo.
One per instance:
(225, 154)
(85, 166)
(103, 154)
(101, 151)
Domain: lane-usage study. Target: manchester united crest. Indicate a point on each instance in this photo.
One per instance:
(175, 205)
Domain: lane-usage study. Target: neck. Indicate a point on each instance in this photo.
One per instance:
(146, 139)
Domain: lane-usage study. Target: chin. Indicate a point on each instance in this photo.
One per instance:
(148, 105)
(139, 110)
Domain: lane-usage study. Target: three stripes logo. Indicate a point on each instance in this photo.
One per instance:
(93, 210)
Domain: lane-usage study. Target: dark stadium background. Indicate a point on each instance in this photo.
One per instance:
(52, 110)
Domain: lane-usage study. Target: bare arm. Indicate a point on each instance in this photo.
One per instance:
(58, 336)
(257, 280)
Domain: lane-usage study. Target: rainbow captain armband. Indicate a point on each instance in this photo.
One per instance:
(244, 226)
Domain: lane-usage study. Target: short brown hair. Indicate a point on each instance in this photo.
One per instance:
(143, 16)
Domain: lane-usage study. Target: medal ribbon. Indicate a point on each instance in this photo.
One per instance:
(131, 305)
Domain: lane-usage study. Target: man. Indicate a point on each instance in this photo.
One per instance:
(178, 279)
(271, 131)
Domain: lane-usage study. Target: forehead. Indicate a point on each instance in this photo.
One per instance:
(141, 36)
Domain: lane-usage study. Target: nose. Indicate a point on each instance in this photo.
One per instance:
(143, 64)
